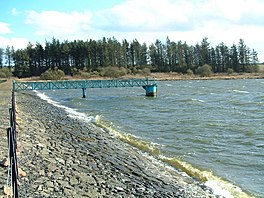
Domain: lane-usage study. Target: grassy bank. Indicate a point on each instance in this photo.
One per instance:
(176, 76)
(170, 76)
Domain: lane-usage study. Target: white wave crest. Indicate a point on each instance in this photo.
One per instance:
(72, 113)
(217, 190)
(239, 91)
(193, 99)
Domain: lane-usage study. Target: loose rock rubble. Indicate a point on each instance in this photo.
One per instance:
(64, 157)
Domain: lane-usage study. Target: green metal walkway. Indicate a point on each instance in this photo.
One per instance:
(150, 85)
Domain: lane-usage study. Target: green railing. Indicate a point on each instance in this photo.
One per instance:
(80, 84)
(83, 84)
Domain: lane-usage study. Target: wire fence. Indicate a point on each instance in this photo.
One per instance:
(12, 173)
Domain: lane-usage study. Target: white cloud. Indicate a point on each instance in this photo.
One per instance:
(4, 28)
(174, 15)
(58, 24)
(17, 43)
(147, 20)
(213, 19)
(235, 11)
(147, 15)
(14, 12)
(224, 9)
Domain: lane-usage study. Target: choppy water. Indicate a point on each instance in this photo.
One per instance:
(213, 128)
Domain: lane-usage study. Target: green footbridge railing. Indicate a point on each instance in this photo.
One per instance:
(150, 85)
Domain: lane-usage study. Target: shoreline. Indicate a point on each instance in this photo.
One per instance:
(65, 157)
(212, 78)
(171, 76)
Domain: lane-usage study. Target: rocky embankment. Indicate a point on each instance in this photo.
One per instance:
(5, 98)
(64, 157)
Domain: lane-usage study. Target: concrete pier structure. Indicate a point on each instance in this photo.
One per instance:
(151, 90)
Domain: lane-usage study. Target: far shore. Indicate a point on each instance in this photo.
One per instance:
(175, 76)
(171, 76)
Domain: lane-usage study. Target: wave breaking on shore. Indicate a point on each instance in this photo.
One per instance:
(219, 186)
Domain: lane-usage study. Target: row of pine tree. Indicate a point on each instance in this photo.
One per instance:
(91, 55)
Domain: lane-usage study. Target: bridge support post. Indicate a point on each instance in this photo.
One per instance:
(151, 90)
(84, 92)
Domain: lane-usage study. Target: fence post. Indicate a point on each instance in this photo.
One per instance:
(12, 146)
(13, 161)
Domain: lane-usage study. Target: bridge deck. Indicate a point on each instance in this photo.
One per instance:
(82, 84)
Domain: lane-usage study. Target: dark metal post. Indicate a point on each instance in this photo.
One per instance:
(84, 92)
(13, 160)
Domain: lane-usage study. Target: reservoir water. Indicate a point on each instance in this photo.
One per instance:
(211, 129)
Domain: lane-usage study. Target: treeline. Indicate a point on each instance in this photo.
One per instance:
(93, 55)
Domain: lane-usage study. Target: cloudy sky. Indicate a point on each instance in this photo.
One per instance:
(225, 21)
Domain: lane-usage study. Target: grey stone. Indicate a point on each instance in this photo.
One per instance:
(87, 179)
(49, 184)
(73, 181)
(64, 184)
(40, 187)
(41, 172)
(52, 167)
(62, 161)
(120, 189)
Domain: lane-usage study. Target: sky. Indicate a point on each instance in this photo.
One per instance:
(24, 21)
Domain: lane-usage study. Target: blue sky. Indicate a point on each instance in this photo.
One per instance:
(23, 21)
